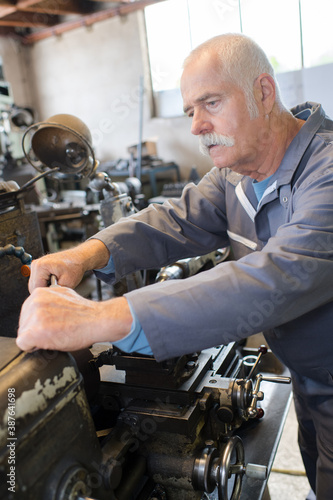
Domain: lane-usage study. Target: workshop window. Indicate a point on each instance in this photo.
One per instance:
(175, 27)
(292, 33)
(276, 29)
(317, 32)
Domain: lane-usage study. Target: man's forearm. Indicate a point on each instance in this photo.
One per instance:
(94, 254)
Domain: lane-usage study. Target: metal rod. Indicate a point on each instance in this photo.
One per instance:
(53, 280)
(139, 149)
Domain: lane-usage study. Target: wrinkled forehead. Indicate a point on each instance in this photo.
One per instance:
(204, 69)
(203, 76)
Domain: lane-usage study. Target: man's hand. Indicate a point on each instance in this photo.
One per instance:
(68, 266)
(57, 318)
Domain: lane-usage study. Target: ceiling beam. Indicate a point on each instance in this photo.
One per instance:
(88, 20)
(28, 20)
(51, 7)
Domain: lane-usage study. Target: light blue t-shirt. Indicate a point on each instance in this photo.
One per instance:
(260, 187)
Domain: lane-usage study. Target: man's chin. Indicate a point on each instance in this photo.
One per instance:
(216, 153)
(219, 161)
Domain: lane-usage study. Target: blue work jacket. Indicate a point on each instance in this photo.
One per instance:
(281, 281)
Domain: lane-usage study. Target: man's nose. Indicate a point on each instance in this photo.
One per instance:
(200, 123)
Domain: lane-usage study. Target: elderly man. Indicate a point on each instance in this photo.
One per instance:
(270, 196)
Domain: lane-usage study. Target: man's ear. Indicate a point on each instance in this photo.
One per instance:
(265, 91)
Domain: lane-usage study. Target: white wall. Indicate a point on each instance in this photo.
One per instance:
(16, 71)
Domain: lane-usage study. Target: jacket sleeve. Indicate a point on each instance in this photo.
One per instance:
(289, 277)
(161, 234)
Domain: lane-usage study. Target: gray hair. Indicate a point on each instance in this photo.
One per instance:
(242, 60)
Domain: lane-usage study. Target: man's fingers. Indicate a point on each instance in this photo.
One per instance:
(23, 342)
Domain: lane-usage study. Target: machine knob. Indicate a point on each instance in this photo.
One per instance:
(256, 471)
(263, 349)
(225, 414)
(260, 413)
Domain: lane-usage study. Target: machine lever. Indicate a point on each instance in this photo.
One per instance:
(262, 350)
(278, 380)
(53, 280)
(258, 395)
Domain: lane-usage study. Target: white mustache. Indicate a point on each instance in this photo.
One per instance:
(214, 139)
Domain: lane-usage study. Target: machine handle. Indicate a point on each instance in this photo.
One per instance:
(257, 395)
(212, 471)
(261, 352)
(53, 280)
(276, 379)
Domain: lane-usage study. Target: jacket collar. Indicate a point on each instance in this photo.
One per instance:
(315, 116)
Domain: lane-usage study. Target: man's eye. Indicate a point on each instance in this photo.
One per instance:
(189, 112)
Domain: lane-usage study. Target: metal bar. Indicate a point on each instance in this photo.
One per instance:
(88, 20)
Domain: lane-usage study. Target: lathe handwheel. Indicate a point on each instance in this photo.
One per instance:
(224, 469)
